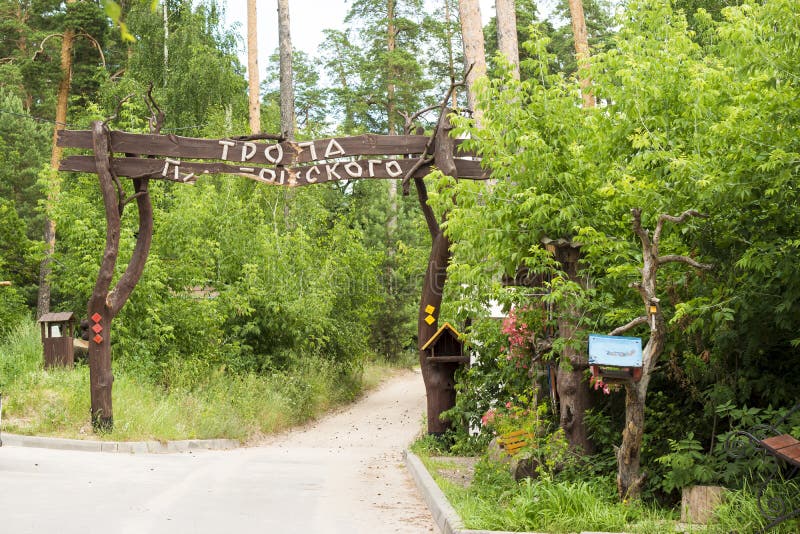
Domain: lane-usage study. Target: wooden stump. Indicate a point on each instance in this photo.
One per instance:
(698, 503)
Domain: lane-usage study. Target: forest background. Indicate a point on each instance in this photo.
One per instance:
(256, 296)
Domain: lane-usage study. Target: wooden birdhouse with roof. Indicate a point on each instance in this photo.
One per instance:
(445, 346)
(57, 331)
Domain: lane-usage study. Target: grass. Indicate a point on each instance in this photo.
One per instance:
(740, 512)
(244, 407)
(494, 501)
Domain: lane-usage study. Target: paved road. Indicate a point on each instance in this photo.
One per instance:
(342, 475)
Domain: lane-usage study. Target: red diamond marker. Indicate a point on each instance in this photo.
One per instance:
(96, 317)
(97, 329)
(98, 339)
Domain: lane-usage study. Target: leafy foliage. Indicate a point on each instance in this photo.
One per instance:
(682, 123)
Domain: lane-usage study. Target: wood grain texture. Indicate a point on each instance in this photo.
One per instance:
(288, 176)
(285, 153)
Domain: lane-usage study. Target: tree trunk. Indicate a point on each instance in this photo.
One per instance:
(450, 60)
(252, 68)
(286, 90)
(474, 49)
(45, 270)
(165, 13)
(391, 225)
(390, 70)
(507, 32)
(573, 390)
(629, 477)
(581, 37)
(286, 75)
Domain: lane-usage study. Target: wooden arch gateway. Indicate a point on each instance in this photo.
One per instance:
(145, 157)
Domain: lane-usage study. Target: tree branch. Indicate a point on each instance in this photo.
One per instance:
(637, 227)
(409, 119)
(41, 45)
(636, 322)
(664, 217)
(133, 197)
(96, 45)
(117, 109)
(443, 109)
(156, 120)
(676, 258)
(420, 162)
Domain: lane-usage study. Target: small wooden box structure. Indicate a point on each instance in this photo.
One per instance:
(615, 359)
(57, 331)
(445, 346)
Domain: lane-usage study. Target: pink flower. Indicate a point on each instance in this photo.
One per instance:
(488, 417)
(508, 404)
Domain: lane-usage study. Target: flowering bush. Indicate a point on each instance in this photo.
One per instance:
(509, 417)
(597, 382)
(519, 338)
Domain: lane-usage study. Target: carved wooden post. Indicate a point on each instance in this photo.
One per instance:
(573, 391)
(439, 377)
(104, 303)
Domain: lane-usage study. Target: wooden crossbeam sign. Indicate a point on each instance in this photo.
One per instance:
(288, 163)
(142, 157)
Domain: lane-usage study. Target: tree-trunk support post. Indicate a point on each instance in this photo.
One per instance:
(105, 303)
(439, 378)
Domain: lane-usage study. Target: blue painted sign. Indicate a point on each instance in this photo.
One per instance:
(618, 351)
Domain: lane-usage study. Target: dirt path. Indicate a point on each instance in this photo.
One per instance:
(343, 474)
(368, 487)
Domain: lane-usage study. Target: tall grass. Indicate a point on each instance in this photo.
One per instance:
(740, 513)
(218, 404)
(495, 501)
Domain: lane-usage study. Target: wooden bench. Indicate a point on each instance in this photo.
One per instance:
(512, 442)
(785, 448)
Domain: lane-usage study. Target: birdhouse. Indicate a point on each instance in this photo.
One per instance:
(615, 359)
(57, 331)
(445, 346)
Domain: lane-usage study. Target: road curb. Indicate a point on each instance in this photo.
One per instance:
(131, 447)
(443, 513)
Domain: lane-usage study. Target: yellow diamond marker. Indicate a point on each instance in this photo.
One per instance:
(429, 319)
(429, 309)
